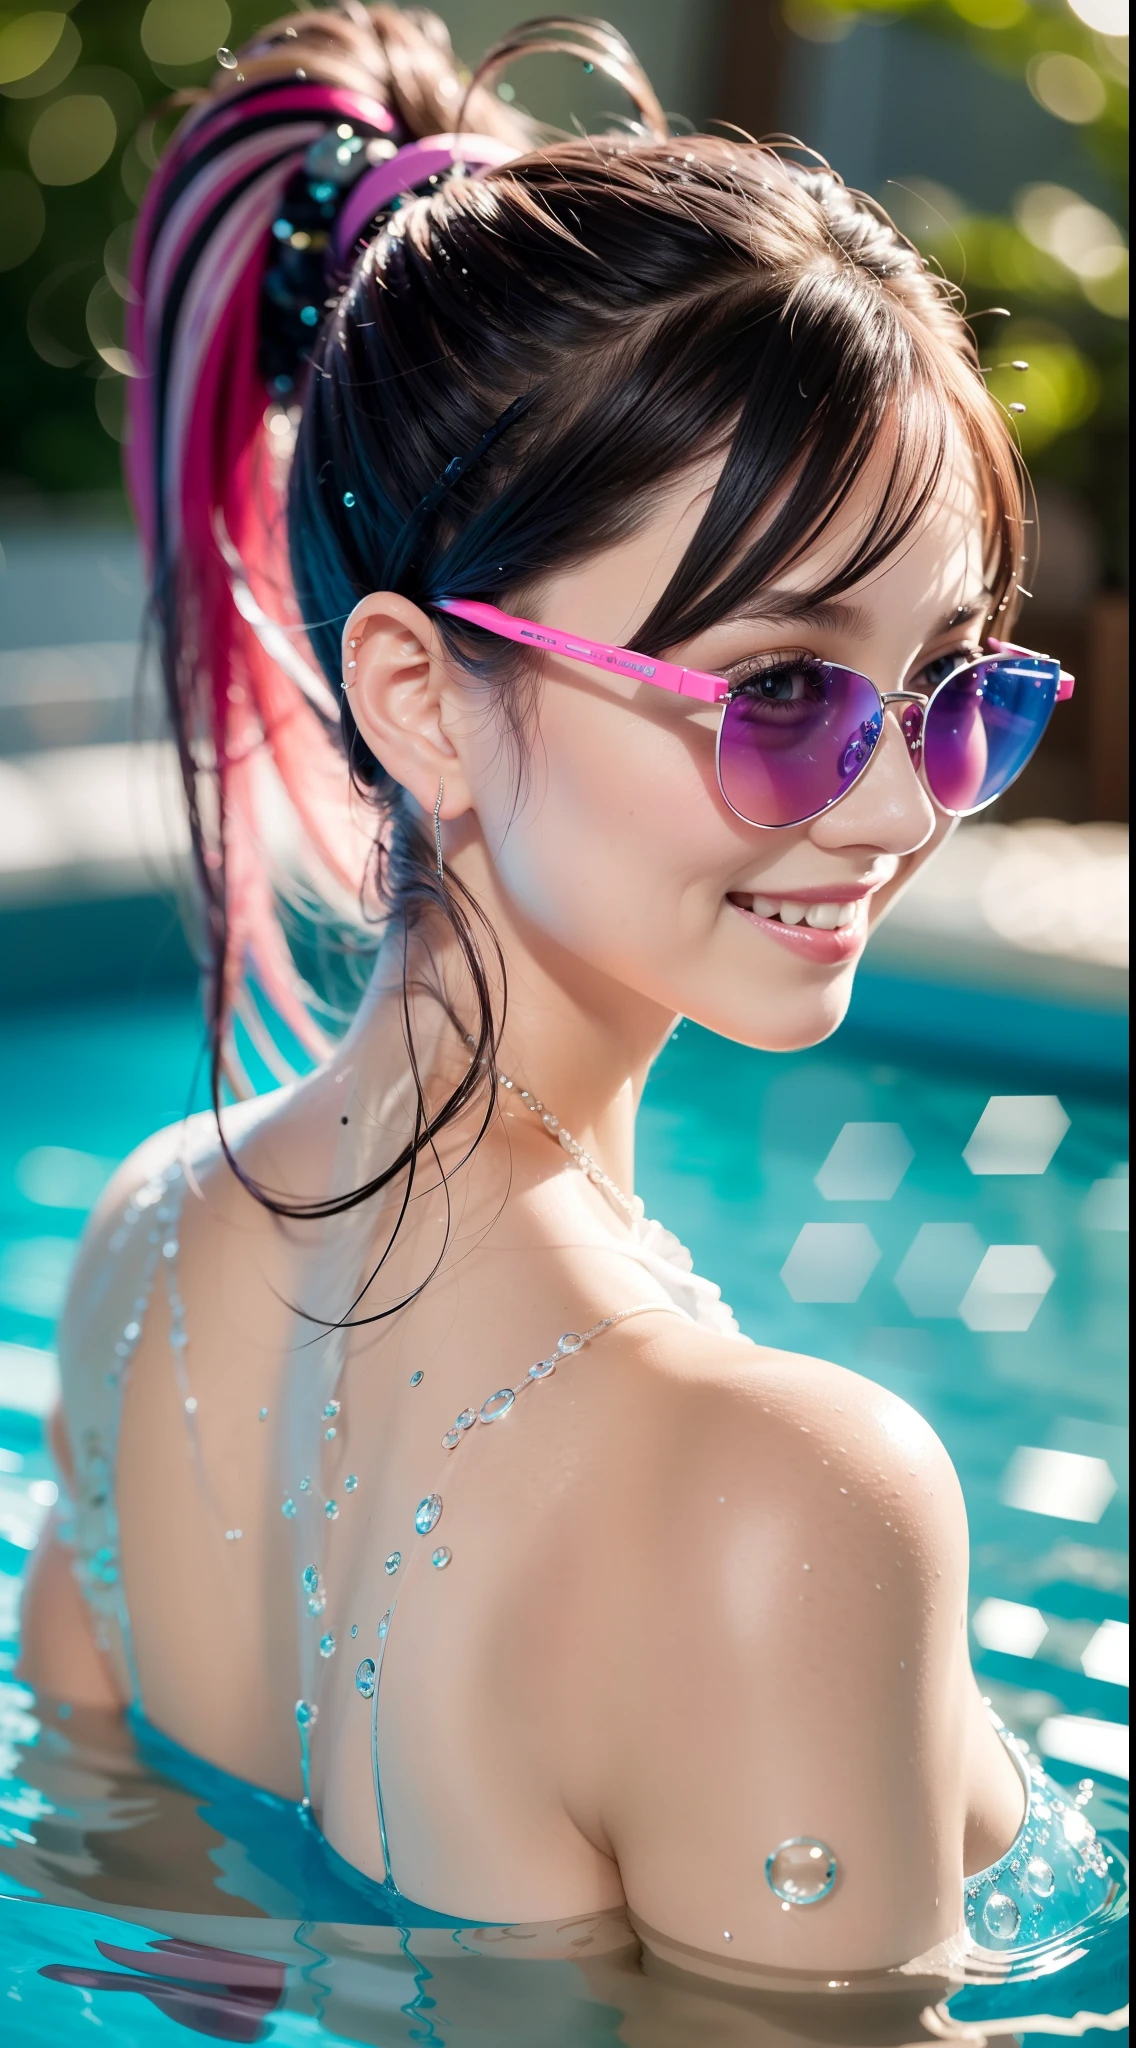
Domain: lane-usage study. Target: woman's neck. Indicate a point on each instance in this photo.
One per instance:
(581, 1042)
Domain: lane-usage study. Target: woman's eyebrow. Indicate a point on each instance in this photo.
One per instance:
(831, 614)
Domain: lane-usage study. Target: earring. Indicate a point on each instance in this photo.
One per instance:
(351, 664)
(438, 828)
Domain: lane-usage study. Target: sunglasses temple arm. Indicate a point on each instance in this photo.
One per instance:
(1066, 683)
(665, 675)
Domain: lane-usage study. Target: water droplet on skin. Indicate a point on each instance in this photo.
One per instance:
(329, 1434)
(331, 1510)
(327, 1645)
(428, 1513)
(306, 1714)
(497, 1405)
(351, 1482)
(1001, 1917)
(1039, 1877)
(365, 1678)
(391, 1563)
(727, 1936)
(288, 1508)
(416, 1378)
(331, 1408)
(191, 1404)
(305, 1486)
(441, 1557)
(310, 1578)
(263, 1415)
(384, 1625)
(226, 59)
(801, 1872)
(354, 1630)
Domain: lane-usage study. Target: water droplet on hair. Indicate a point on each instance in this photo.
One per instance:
(384, 1625)
(227, 59)
(327, 1645)
(349, 500)
(801, 1872)
(1001, 1917)
(365, 1678)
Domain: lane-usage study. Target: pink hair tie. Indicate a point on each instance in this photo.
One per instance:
(408, 167)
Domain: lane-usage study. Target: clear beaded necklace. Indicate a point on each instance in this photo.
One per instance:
(576, 1153)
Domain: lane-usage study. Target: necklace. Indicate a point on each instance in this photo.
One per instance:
(632, 1209)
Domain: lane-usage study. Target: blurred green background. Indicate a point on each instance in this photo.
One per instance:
(994, 130)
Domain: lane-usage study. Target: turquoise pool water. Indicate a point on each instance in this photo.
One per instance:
(139, 1898)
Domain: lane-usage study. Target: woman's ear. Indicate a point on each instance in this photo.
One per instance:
(395, 676)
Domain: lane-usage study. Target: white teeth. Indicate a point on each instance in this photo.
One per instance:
(823, 917)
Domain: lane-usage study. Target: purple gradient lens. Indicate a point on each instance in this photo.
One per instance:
(790, 745)
(983, 725)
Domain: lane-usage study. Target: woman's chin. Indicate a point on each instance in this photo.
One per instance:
(786, 1019)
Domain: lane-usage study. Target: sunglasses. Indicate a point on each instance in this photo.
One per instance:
(794, 738)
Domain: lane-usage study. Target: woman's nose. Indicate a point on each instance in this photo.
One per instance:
(887, 807)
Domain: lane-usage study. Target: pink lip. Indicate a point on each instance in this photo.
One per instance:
(825, 949)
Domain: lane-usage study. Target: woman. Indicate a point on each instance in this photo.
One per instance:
(614, 471)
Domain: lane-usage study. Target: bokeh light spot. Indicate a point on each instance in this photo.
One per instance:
(1016, 1134)
(1008, 1288)
(72, 139)
(830, 1262)
(27, 43)
(178, 32)
(866, 1164)
(939, 1267)
(1067, 87)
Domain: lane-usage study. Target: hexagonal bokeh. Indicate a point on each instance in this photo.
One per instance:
(1016, 1134)
(939, 1267)
(1065, 1484)
(1008, 1288)
(866, 1164)
(830, 1262)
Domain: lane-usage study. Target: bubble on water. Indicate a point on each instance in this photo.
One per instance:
(1039, 1877)
(1001, 1917)
(801, 1871)
(227, 59)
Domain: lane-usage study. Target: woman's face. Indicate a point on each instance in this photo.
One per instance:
(619, 853)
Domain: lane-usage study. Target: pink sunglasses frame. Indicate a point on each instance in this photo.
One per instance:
(710, 689)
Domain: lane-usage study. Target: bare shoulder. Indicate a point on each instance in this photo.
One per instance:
(736, 1424)
(784, 1649)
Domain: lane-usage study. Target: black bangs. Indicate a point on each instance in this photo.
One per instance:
(837, 380)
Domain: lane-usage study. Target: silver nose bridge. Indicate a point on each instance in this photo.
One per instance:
(910, 719)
